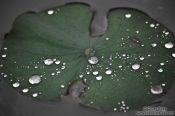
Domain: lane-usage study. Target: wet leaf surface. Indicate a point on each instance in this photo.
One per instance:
(129, 66)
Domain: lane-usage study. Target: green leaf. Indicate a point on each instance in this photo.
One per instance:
(47, 52)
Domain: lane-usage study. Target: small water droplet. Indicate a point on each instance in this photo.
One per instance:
(169, 45)
(120, 66)
(4, 55)
(57, 62)
(128, 15)
(107, 38)
(95, 73)
(35, 94)
(156, 89)
(25, 90)
(99, 78)
(48, 62)
(162, 63)
(5, 75)
(63, 67)
(62, 86)
(93, 60)
(173, 55)
(115, 109)
(5, 48)
(35, 79)
(154, 44)
(50, 12)
(16, 84)
(160, 70)
(137, 32)
(142, 58)
(152, 25)
(81, 76)
(135, 66)
(108, 72)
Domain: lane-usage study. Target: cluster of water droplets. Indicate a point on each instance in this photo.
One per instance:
(121, 107)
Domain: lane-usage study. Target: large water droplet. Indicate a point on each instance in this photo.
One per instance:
(173, 55)
(16, 84)
(135, 66)
(48, 61)
(128, 15)
(99, 78)
(93, 60)
(35, 79)
(108, 72)
(156, 89)
(169, 45)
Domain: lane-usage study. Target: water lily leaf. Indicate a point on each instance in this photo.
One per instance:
(129, 66)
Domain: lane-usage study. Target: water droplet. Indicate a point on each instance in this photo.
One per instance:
(63, 67)
(81, 76)
(93, 60)
(135, 66)
(169, 45)
(156, 89)
(4, 55)
(107, 38)
(162, 63)
(99, 78)
(137, 32)
(95, 73)
(163, 84)
(152, 25)
(128, 15)
(25, 90)
(35, 79)
(154, 44)
(166, 33)
(173, 54)
(115, 109)
(48, 61)
(16, 84)
(35, 94)
(50, 12)
(142, 58)
(5, 48)
(120, 66)
(62, 86)
(108, 72)
(57, 62)
(160, 70)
